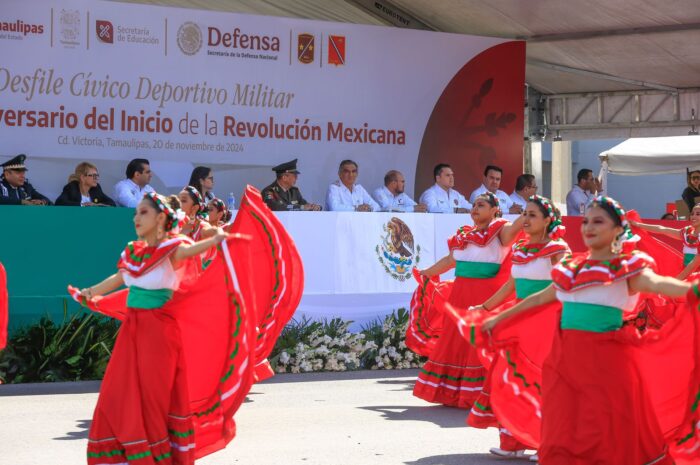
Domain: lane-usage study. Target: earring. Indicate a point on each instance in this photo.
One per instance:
(616, 246)
(161, 233)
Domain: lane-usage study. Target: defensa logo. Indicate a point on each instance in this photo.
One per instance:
(305, 48)
(21, 27)
(189, 38)
(240, 40)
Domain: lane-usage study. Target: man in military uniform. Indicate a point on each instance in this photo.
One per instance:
(14, 187)
(283, 195)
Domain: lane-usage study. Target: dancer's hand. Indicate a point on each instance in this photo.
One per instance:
(219, 236)
(87, 293)
(489, 323)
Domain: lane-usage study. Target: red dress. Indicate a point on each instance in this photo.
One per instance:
(507, 400)
(425, 319)
(179, 372)
(454, 374)
(613, 395)
(273, 260)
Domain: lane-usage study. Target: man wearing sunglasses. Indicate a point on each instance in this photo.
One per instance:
(282, 194)
(14, 187)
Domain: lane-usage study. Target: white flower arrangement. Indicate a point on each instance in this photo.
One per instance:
(308, 346)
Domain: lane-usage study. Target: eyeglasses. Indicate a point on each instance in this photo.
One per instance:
(695, 178)
(93, 175)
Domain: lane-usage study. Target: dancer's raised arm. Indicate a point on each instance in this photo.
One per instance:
(105, 287)
(648, 281)
(658, 229)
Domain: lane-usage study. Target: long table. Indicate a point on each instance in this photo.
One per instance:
(355, 269)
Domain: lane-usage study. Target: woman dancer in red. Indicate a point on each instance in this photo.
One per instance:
(183, 360)
(597, 408)
(192, 204)
(688, 235)
(454, 375)
(217, 212)
(532, 260)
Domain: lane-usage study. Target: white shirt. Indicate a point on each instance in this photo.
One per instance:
(575, 198)
(128, 194)
(517, 200)
(615, 294)
(504, 201)
(161, 276)
(340, 199)
(84, 199)
(391, 203)
(493, 252)
(439, 200)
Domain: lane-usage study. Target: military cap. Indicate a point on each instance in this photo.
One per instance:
(16, 163)
(288, 167)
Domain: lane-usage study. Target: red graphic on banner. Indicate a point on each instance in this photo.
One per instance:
(477, 121)
(336, 50)
(105, 31)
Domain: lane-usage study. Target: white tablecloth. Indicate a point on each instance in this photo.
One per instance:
(348, 259)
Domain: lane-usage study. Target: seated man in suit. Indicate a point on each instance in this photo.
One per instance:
(14, 187)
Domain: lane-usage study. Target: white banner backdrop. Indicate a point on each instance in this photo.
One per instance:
(107, 82)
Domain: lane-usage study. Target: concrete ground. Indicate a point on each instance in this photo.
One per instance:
(358, 418)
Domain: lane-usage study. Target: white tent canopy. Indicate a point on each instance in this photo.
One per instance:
(652, 155)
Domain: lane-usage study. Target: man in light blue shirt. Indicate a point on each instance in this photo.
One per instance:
(582, 193)
(442, 198)
(492, 181)
(345, 195)
(392, 198)
(129, 192)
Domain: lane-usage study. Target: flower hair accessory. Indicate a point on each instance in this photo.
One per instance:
(198, 200)
(162, 206)
(556, 229)
(627, 235)
(218, 203)
(492, 200)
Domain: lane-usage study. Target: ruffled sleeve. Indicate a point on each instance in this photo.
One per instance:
(525, 252)
(574, 273)
(138, 257)
(690, 237)
(470, 235)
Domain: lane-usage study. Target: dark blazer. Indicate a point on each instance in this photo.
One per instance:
(71, 196)
(14, 196)
(689, 195)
